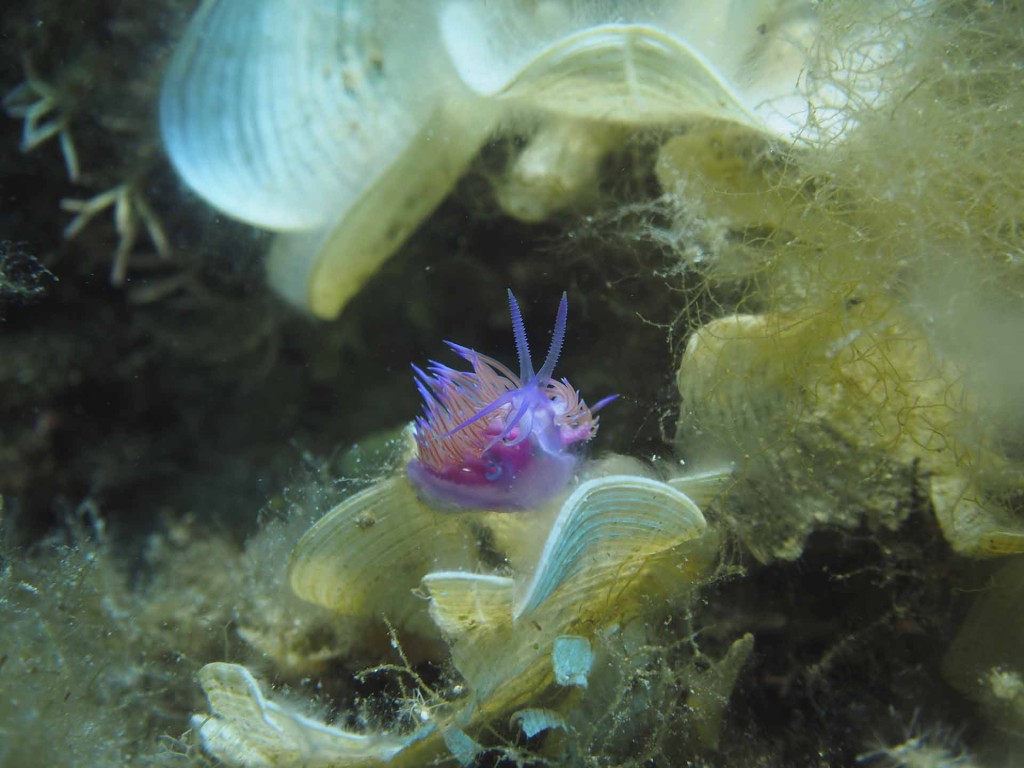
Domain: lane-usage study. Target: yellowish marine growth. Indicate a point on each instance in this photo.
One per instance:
(862, 354)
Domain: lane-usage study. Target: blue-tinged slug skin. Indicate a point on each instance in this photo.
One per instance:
(488, 439)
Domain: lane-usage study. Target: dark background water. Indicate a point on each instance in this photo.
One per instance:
(191, 387)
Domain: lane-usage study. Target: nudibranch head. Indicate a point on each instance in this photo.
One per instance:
(489, 439)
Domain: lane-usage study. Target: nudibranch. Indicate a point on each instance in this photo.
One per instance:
(488, 439)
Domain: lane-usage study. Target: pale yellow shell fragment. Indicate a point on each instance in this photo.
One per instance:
(364, 558)
(321, 269)
(282, 115)
(466, 602)
(974, 525)
(702, 488)
(247, 729)
(557, 168)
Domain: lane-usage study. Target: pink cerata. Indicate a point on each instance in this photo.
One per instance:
(489, 439)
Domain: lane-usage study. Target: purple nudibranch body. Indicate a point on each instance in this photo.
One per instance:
(488, 439)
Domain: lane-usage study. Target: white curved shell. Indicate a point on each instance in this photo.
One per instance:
(639, 62)
(280, 114)
(341, 124)
(607, 530)
(608, 543)
(321, 269)
(344, 123)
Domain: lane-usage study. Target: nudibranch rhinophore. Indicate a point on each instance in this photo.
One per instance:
(489, 439)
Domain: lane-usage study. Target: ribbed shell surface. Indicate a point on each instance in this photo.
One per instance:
(282, 113)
